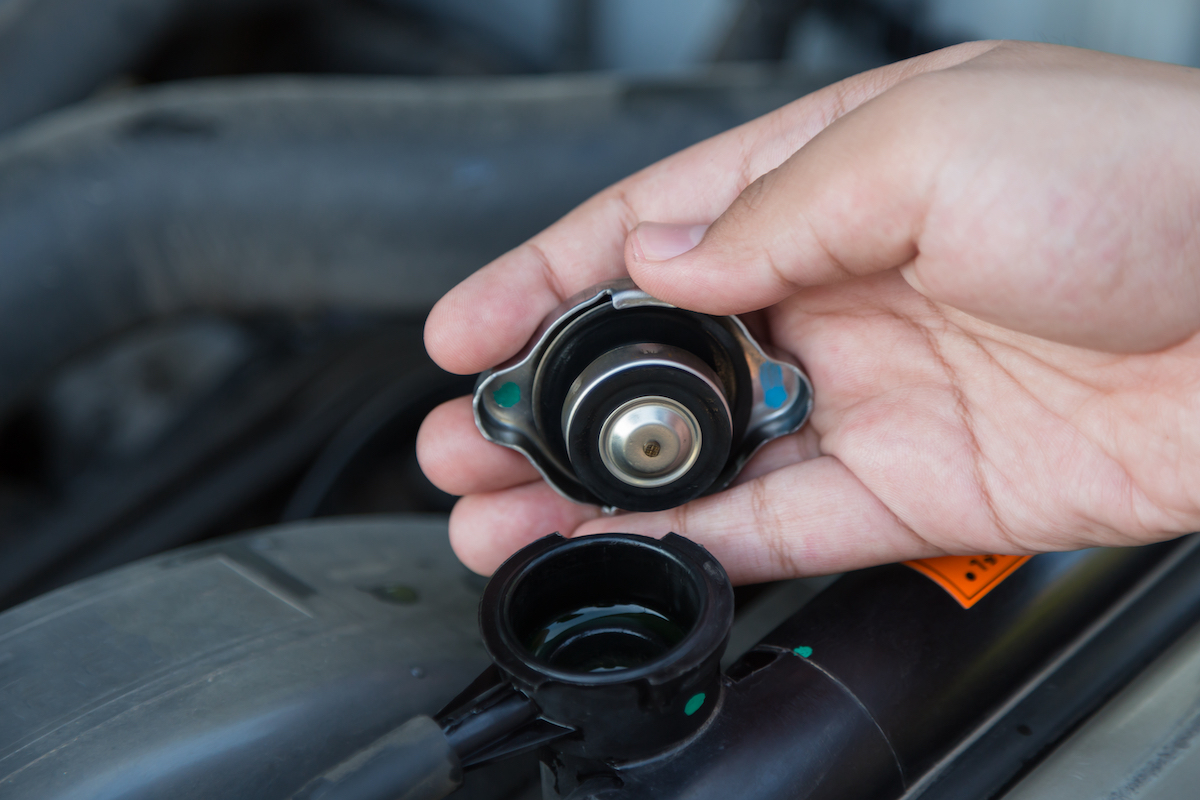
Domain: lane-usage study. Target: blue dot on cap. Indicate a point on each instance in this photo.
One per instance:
(770, 375)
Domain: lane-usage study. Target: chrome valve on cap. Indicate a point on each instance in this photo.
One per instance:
(626, 401)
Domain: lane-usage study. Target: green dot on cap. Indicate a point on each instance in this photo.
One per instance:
(694, 703)
(507, 395)
(803, 652)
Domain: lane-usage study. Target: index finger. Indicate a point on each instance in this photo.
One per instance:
(489, 317)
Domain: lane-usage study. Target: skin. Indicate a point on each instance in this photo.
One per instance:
(987, 260)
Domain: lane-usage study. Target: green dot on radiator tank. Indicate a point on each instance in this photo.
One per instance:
(693, 704)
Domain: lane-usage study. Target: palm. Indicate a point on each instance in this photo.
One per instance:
(978, 438)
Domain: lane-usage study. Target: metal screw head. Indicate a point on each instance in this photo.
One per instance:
(650, 441)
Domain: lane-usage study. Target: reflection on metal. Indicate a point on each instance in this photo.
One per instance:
(650, 441)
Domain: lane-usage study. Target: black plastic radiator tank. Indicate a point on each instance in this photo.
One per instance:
(606, 649)
(873, 684)
(285, 664)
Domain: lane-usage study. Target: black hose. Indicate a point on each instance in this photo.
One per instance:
(413, 762)
(423, 759)
(389, 421)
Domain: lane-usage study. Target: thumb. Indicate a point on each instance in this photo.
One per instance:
(848, 203)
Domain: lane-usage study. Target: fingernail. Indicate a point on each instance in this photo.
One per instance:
(659, 241)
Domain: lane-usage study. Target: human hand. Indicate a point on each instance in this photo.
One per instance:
(988, 261)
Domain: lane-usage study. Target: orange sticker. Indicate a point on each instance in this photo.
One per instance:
(968, 578)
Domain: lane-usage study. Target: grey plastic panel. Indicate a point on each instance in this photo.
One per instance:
(238, 669)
